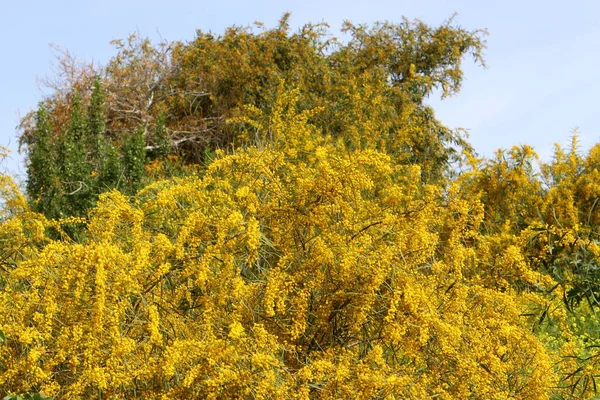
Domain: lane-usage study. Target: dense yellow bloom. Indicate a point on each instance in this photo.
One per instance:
(303, 269)
(281, 273)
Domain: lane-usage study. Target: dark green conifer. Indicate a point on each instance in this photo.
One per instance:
(133, 159)
(42, 182)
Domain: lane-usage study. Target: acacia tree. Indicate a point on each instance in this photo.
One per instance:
(298, 270)
(367, 93)
(322, 252)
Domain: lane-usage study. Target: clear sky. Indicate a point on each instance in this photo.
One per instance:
(542, 79)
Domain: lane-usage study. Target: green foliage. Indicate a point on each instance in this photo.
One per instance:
(96, 121)
(110, 169)
(134, 156)
(68, 169)
(42, 185)
(162, 144)
(74, 167)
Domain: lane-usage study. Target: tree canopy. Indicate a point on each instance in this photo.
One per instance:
(189, 99)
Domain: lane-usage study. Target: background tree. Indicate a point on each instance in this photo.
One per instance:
(42, 184)
(69, 169)
(368, 92)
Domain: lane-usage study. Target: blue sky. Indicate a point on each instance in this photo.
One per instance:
(542, 79)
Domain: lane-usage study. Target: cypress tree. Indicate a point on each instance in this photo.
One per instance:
(96, 124)
(133, 160)
(74, 169)
(41, 171)
(102, 155)
(161, 138)
(110, 170)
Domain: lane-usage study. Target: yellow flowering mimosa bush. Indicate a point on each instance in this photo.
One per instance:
(540, 236)
(300, 269)
(276, 215)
